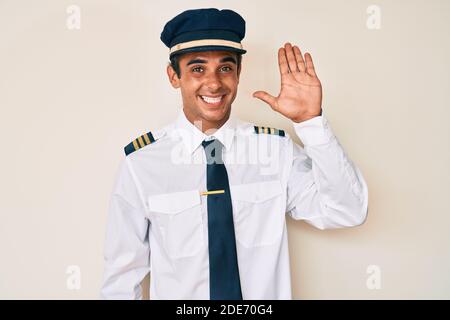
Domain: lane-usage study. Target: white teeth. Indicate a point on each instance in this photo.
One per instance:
(211, 100)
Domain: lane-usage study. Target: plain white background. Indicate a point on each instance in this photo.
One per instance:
(72, 99)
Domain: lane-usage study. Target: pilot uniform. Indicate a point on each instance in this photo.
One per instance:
(162, 207)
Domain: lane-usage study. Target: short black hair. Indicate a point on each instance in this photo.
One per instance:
(175, 62)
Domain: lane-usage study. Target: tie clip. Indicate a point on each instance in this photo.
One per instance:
(205, 193)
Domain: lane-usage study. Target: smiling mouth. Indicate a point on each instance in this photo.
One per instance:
(213, 101)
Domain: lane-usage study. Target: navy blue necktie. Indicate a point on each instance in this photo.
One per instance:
(223, 267)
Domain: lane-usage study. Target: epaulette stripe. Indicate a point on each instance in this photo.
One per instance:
(135, 145)
(256, 129)
(147, 140)
(141, 142)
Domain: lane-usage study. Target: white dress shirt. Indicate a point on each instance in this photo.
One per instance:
(157, 220)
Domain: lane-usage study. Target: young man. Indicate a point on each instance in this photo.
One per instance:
(201, 203)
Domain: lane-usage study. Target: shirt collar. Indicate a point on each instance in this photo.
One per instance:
(192, 136)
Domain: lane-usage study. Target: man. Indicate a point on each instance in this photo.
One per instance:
(201, 203)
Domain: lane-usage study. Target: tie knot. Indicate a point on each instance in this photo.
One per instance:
(213, 151)
(207, 143)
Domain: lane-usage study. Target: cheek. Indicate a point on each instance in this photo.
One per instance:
(189, 88)
(233, 84)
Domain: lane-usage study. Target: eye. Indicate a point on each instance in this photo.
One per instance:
(197, 69)
(226, 68)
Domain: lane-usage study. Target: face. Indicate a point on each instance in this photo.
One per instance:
(208, 84)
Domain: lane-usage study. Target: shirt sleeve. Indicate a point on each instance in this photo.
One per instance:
(325, 188)
(126, 249)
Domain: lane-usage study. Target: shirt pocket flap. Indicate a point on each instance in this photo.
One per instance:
(256, 192)
(173, 203)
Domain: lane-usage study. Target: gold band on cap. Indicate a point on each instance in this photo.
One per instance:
(205, 42)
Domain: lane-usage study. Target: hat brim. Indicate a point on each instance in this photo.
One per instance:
(208, 48)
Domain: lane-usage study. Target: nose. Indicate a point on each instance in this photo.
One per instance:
(213, 82)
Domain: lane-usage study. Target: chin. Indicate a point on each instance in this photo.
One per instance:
(215, 115)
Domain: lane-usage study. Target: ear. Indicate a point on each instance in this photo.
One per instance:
(173, 78)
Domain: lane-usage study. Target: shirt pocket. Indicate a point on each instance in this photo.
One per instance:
(259, 212)
(179, 218)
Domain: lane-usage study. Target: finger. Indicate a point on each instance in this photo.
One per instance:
(267, 98)
(291, 57)
(282, 62)
(299, 59)
(310, 65)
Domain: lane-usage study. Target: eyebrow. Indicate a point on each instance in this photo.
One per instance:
(225, 59)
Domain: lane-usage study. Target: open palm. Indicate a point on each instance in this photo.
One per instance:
(300, 97)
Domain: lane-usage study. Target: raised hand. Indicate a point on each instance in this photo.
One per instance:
(300, 97)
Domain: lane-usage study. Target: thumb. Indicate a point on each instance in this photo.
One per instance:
(267, 98)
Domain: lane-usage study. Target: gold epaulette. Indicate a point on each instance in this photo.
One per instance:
(139, 142)
(268, 130)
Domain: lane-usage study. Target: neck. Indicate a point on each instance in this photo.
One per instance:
(207, 127)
